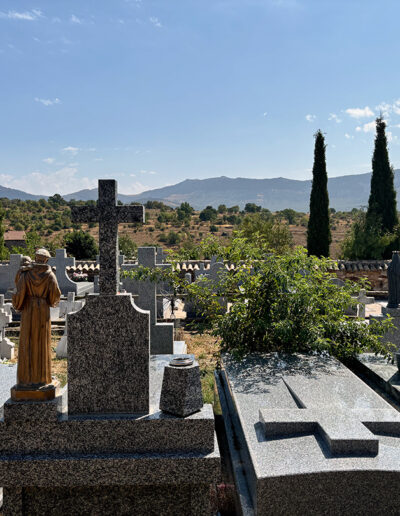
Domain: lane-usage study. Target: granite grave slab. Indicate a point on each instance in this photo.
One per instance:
(309, 434)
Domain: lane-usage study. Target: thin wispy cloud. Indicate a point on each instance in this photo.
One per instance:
(62, 181)
(310, 118)
(75, 19)
(49, 161)
(360, 112)
(31, 15)
(48, 102)
(367, 128)
(155, 21)
(150, 172)
(333, 116)
(73, 151)
(265, 114)
(348, 136)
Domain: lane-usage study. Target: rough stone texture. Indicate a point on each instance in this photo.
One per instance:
(108, 366)
(61, 262)
(117, 500)
(283, 471)
(161, 334)
(108, 214)
(52, 462)
(181, 390)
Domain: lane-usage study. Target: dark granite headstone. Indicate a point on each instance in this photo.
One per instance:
(109, 339)
(393, 274)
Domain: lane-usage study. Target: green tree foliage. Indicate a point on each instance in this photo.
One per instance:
(382, 199)
(81, 245)
(278, 303)
(319, 233)
(127, 246)
(4, 253)
(366, 241)
(252, 208)
(209, 213)
(289, 214)
(270, 235)
(184, 212)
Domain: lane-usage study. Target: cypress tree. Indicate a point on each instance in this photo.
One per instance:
(382, 209)
(319, 232)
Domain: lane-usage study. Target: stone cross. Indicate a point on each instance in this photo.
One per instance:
(108, 214)
(60, 262)
(345, 431)
(162, 334)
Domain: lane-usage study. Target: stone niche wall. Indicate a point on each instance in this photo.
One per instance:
(374, 271)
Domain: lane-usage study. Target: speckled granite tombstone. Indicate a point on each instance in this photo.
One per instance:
(102, 446)
(109, 348)
(306, 436)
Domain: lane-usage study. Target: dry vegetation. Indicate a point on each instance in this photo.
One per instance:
(51, 221)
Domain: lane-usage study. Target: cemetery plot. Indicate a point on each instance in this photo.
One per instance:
(309, 434)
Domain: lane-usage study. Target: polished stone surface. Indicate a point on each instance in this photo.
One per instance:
(181, 393)
(299, 470)
(109, 348)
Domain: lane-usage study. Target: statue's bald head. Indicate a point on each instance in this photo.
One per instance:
(42, 256)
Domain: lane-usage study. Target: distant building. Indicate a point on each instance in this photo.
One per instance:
(14, 239)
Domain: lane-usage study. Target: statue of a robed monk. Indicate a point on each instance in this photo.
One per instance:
(36, 291)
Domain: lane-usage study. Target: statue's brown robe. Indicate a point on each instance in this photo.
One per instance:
(37, 290)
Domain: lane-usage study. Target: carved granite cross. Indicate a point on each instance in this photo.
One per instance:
(345, 431)
(108, 214)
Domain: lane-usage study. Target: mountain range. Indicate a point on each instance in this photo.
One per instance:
(345, 192)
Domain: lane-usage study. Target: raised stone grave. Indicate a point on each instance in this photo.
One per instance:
(306, 435)
(161, 334)
(103, 446)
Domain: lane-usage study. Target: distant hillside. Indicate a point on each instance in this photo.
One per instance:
(345, 192)
(11, 193)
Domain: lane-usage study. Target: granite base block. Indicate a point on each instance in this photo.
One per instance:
(181, 393)
(53, 462)
(189, 500)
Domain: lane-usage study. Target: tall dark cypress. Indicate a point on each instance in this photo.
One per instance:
(319, 231)
(382, 209)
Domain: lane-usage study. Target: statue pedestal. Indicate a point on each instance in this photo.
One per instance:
(28, 393)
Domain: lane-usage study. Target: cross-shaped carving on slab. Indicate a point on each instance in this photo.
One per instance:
(345, 431)
(108, 214)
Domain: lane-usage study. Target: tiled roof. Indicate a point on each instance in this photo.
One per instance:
(14, 235)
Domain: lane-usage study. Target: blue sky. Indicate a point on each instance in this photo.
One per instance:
(153, 92)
